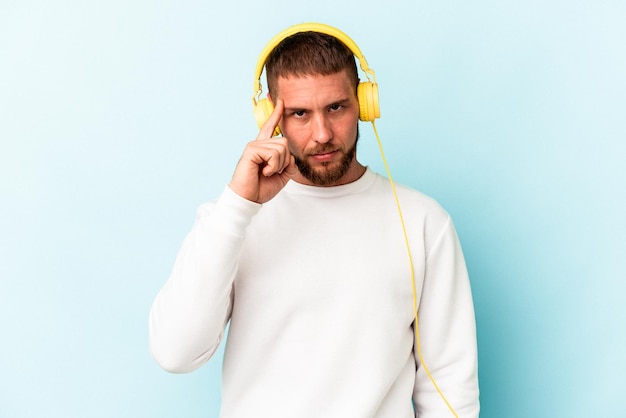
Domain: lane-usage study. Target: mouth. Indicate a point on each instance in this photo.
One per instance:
(325, 156)
(324, 153)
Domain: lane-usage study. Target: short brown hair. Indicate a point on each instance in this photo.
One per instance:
(309, 53)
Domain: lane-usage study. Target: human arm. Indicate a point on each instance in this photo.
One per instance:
(189, 315)
(447, 333)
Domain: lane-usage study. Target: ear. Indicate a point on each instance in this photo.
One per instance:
(269, 97)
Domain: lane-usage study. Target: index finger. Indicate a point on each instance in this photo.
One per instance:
(270, 127)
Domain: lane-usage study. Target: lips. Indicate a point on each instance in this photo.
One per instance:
(324, 156)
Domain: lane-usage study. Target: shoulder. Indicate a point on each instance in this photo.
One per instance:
(416, 202)
(424, 217)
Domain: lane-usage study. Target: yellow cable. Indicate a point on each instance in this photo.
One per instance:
(408, 248)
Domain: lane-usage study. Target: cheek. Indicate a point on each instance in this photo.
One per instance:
(291, 128)
(295, 145)
(347, 130)
(297, 135)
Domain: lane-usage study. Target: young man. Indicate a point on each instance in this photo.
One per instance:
(304, 254)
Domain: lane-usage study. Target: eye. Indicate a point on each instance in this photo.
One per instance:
(335, 107)
(297, 114)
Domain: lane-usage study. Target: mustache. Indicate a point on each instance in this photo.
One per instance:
(322, 148)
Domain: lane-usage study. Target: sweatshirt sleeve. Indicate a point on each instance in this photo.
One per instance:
(190, 313)
(447, 332)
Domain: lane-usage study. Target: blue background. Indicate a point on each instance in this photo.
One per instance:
(117, 119)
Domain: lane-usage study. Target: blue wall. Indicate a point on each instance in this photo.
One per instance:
(117, 119)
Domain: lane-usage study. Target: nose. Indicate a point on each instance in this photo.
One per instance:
(322, 130)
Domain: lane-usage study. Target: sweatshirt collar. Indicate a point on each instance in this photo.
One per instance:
(357, 186)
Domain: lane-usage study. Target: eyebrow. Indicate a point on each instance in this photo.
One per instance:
(342, 102)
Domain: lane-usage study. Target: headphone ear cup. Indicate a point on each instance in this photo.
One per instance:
(369, 108)
(262, 112)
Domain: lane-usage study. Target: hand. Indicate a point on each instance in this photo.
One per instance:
(266, 165)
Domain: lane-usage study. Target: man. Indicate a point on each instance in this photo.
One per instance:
(304, 254)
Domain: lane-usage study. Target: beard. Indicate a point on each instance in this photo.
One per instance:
(327, 175)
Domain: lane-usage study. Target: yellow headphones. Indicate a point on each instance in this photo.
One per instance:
(367, 92)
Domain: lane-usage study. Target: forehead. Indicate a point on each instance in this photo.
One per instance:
(337, 86)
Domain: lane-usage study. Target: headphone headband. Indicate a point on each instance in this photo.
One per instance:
(307, 27)
(367, 92)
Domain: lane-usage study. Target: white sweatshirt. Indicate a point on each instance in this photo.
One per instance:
(317, 286)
